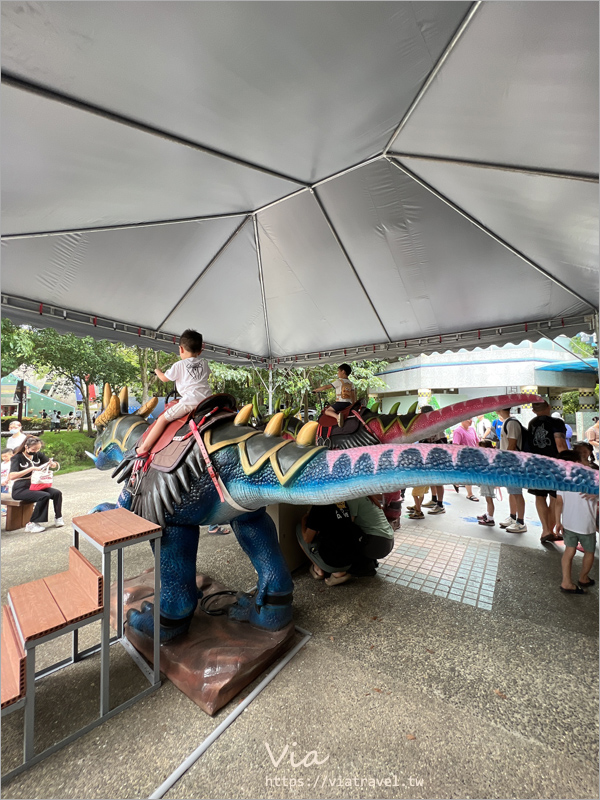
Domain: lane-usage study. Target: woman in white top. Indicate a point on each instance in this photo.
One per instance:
(16, 438)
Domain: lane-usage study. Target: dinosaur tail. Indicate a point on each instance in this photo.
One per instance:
(329, 476)
(422, 426)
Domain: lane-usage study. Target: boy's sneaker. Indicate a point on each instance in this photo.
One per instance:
(430, 504)
(516, 527)
(33, 527)
(416, 515)
(437, 510)
(59, 522)
(508, 521)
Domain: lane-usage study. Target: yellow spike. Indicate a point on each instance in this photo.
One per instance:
(307, 435)
(124, 400)
(243, 416)
(111, 412)
(147, 408)
(106, 396)
(275, 425)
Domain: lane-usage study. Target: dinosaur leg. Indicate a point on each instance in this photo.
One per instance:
(178, 592)
(271, 606)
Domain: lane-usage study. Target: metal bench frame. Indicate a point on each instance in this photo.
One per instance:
(151, 673)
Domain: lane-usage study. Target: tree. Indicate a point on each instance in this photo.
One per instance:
(17, 346)
(81, 362)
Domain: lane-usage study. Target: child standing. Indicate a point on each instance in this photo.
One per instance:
(345, 393)
(489, 492)
(191, 374)
(576, 520)
(6, 457)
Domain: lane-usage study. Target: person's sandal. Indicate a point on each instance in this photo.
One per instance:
(576, 590)
(587, 584)
(314, 574)
(333, 581)
(473, 498)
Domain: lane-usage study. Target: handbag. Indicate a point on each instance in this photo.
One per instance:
(41, 479)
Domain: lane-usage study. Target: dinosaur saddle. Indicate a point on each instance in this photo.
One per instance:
(177, 439)
(352, 421)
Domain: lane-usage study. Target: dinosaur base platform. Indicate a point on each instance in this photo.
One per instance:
(218, 657)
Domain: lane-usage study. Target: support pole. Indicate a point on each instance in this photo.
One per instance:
(271, 389)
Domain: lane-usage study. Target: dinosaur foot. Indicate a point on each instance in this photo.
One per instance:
(143, 622)
(274, 615)
(102, 507)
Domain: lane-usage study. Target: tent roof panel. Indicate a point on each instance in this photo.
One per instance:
(115, 273)
(285, 85)
(65, 168)
(421, 262)
(553, 221)
(520, 88)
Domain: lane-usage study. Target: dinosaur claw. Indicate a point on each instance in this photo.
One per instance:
(143, 622)
(267, 617)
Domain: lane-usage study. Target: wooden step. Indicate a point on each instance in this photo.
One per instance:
(47, 605)
(13, 661)
(114, 526)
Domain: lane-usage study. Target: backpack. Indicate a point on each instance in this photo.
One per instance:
(525, 437)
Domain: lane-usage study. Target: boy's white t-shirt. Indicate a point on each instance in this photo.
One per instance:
(5, 472)
(191, 376)
(578, 514)
(343, 390)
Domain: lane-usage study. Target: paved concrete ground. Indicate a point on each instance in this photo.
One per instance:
(401, 693)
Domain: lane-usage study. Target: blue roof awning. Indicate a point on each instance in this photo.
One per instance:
(591, 365)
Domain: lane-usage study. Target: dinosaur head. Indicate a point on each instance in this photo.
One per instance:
(118, 430)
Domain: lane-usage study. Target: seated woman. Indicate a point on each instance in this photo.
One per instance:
(27, 459)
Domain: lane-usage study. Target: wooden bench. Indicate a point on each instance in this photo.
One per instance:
(18, 512)
(13, 662)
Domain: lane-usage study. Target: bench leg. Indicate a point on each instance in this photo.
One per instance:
(28, 744)
(105, 640)
(18, 516)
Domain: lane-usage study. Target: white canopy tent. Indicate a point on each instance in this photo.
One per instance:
(301, 181)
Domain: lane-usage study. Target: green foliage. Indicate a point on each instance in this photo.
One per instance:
(29, 423)
(570, 402)
(17, 346)
(68, 448)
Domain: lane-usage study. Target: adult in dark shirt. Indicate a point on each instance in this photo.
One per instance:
(547, 436)
(332, 542)
(22, 464)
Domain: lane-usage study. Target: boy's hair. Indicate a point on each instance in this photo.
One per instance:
(346, 368)
(486, 443)
(6, 450)
(191, 341)
(569, 455)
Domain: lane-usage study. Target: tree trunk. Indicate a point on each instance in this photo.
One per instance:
(86, 403)
(306, 406)
(143, 362)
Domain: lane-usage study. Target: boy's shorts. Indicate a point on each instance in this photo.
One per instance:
(515, 492)
(587, 540)
(487, 491)
(340, 406)
(542, 492)
(179, 410)
(420, 491)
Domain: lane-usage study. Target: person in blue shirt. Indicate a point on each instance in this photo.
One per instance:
(569, 436)
(497, 426)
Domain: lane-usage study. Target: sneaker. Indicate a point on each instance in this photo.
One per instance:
(416, 515)
(59, 522)
(33, 527)
(516, 527)
(430, 504)
(437, 510)
(508, 521)
(333, 581)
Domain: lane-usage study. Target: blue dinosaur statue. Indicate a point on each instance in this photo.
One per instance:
(243, 470)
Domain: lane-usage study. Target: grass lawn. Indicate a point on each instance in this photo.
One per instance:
(68, 448)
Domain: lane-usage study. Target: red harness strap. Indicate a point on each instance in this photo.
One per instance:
(206, 457)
